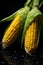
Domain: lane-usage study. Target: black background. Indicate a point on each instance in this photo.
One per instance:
(7, 7)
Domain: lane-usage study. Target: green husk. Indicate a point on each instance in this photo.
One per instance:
(40, 20)
(11, 17)
(40, 3)
(23, 15)
(30, 17)
(37, 3)
(27, 3)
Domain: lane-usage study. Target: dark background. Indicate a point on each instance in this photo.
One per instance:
(7, 7)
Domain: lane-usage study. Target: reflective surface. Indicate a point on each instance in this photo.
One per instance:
(14, 55)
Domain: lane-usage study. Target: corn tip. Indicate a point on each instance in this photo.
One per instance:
(27, 51)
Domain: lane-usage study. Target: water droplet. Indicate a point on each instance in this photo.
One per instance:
(10, 56)
(22, 56)
(15, 57)
(3, 62)
(37, 62)
(14, 51)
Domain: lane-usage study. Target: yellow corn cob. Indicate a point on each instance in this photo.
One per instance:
(12, 32)
(30, 41)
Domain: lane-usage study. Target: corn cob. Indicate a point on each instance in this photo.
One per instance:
(11, 32)
(34, 13)
(31, 36)
(33, 31)
(15, 28)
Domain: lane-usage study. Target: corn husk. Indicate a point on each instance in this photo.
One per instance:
(30, 17)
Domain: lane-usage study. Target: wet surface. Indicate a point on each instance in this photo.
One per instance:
(15, 55)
